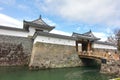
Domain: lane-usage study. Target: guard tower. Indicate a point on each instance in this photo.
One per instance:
(38, 25)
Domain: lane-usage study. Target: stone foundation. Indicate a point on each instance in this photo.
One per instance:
(112, 68)
(103, 50)
(45, 55)
(14, 51)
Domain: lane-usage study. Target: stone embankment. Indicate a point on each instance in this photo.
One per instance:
(46, 55)
(12, 55)
(112, 67)
(14, 51)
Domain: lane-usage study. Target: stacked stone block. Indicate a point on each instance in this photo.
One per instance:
(14, 51)
(12, 54)
(46, 55)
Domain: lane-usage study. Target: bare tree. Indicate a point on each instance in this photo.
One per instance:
(115, 38)
(117, 35)
(112, 39)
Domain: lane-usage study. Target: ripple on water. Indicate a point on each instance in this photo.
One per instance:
(79, 73)
(85, 75)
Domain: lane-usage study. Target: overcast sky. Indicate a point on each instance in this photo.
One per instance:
(100, 16)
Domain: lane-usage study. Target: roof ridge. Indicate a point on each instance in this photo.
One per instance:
(40, 20)
(89, 33)
(86, 35)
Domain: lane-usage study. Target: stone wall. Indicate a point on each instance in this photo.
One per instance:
(112, 67)
(46, 55)
(104, 50)
(14, 50)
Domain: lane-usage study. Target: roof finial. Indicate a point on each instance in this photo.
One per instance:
(40, 17)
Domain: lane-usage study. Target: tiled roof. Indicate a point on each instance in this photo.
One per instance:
(88, 35)
(38, 23)
(12, 28)
(53, 35)
(27, 24)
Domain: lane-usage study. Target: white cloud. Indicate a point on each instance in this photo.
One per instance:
(23, 7)
(101, 35)
(12, 22)
(78, 28)
(109, 31)
(8, 2)
(90, 11)
(9, 21)
(1, 8)
(49, 22)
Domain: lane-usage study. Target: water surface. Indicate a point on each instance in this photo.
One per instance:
(79, 73)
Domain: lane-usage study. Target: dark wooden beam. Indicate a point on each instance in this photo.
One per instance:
(77, 46)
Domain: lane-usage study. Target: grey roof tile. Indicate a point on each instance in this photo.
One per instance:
(88, 35)
(38, 23)
(12, 28)
(53, 35)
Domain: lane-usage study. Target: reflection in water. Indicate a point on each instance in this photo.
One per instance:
(85, 75)
(79, 73)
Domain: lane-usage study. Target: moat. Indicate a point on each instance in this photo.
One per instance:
(78, 73)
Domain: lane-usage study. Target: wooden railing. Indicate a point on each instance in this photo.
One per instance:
(104, 55)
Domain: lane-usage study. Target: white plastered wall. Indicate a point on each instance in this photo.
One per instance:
(13, 33)
(103, 46)
(53, 40)
(18, 33)
(31, 31)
